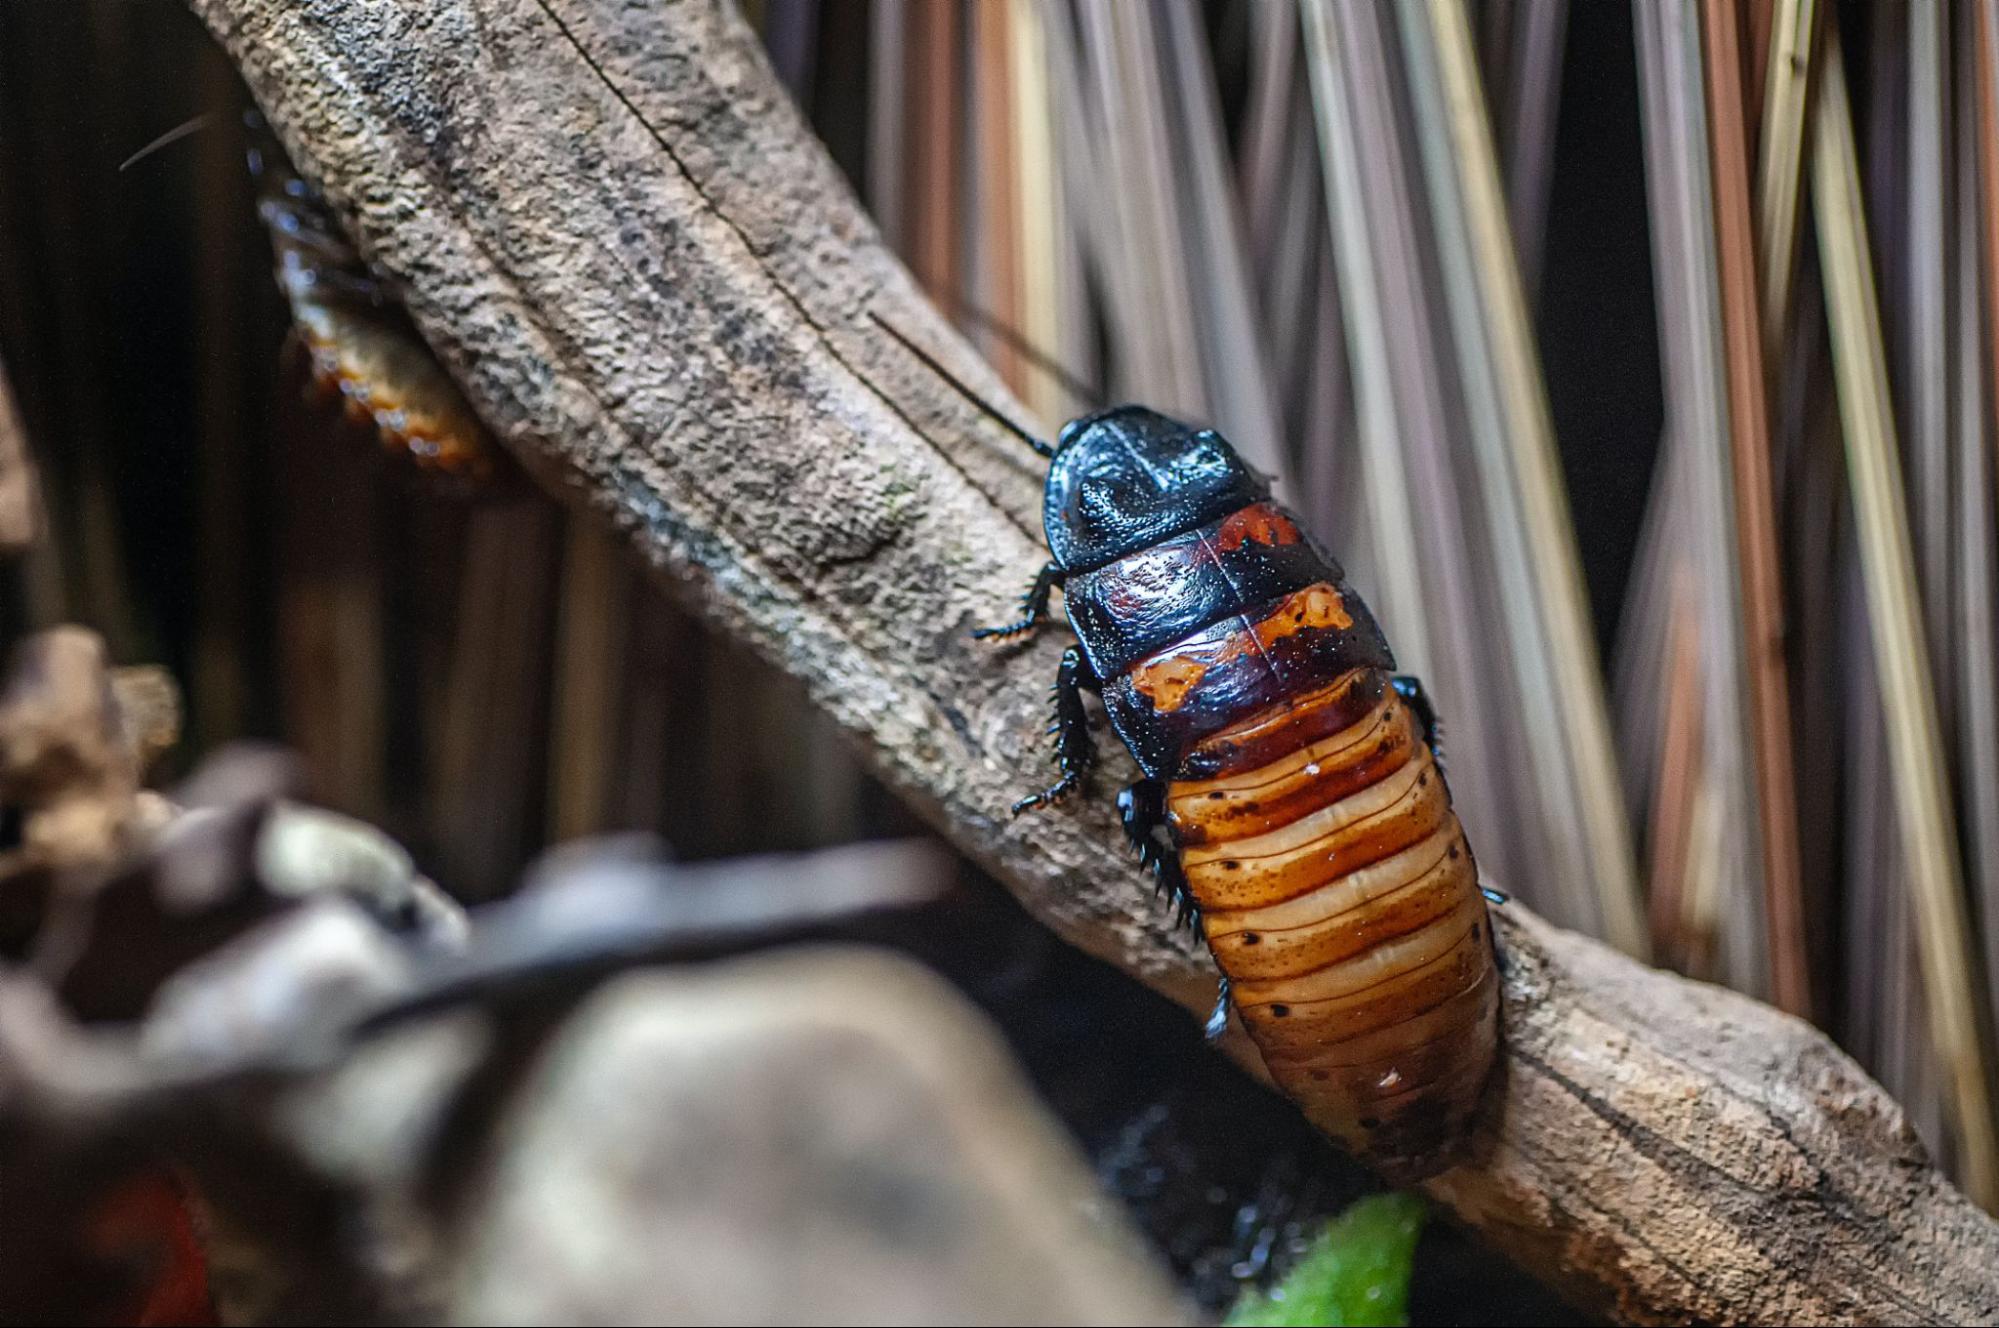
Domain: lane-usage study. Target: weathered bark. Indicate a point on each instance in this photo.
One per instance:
(611, 224)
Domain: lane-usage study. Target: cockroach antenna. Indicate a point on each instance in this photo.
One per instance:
(174, 135)
(930, 362)
(1088, 393)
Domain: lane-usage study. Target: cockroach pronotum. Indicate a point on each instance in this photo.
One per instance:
(1293, 801)
(360, 343)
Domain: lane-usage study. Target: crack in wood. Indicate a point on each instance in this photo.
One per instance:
(782, 288)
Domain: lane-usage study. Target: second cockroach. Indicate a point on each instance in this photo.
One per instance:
(360, 345)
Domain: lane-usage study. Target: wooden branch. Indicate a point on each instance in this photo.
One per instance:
(609, 221)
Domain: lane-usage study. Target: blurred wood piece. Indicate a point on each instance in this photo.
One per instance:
(75, 739)
(676, 325)
(20, 497)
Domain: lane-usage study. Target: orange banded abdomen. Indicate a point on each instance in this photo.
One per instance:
(1339, 896)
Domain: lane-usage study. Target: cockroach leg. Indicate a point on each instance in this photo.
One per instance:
(1411, 690)
(1218, 1022)
(1074, 750)
(1033, 606)
(1142, 806)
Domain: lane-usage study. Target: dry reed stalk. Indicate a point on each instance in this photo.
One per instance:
(1900, 651)
(1926, 442)
(488, 767)
(1688, 263)
(888, 119)
(1288, 234)
(1867, 833)
(1561, 602)
(996, 262)
(1665, 547)
(1397, 362)
(1758, 31)
(1976, 505)
(1755, 510)
(1140, 245)
(1327, 409)
(930, 223)
(1452, 651)
(1398, 591)
(1050, 278)
(1813, 495)
(1780, 165)
(1703, 895)
(1946, 415)
(1293, 263)
(1278, 186)
(1988, 154)
(593, 609)
(1232, 354)
(1566, 855)
(1263, 159)
(1527, 112)
(334, 700)
(1642, 659)
(1073, 170)
(1679, 766)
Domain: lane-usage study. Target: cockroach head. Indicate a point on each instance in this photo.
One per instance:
(1129, 477)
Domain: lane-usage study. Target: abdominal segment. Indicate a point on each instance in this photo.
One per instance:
(1339, 896)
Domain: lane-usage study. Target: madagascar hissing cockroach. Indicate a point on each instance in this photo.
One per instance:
(1293, 802)
(362, 348)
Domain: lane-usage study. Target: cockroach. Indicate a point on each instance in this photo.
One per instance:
(1293, 803)
(361, 346)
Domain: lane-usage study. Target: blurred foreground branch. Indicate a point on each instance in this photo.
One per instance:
(20, 496)
(609, 221)
(230, 1013)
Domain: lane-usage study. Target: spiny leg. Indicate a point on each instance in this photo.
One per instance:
(1033, 606)
(1410, 688)
(1143, 808)
(1218, 1022)
(1074, 750)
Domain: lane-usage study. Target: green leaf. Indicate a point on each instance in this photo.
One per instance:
(1355, 1273)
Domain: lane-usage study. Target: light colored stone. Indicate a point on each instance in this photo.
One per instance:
(801, 1137)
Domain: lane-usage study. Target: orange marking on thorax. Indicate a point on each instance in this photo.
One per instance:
(1262, 523)
(1315, 606)
(1166, 678)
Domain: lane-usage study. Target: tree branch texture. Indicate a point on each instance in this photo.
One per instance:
(611, 224)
